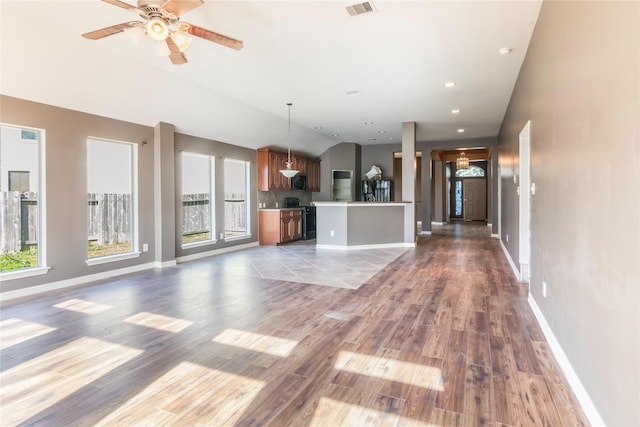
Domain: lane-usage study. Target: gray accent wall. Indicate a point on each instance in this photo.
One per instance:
(65, 133)
(580, 87)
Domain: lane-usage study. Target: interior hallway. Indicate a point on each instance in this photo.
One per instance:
(441, 336)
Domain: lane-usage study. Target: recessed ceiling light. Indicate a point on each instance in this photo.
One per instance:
(368, 123)
(382, 131)
(318, 127)
(455, 111)
(352, 92)
(390, 138)
(335, 134)
(460, 130)
(505, 51)
(449, 84)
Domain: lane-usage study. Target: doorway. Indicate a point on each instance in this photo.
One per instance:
(474, 202)
(468, 192)
(524, 206)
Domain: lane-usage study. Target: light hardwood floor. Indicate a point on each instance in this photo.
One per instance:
(442, 336)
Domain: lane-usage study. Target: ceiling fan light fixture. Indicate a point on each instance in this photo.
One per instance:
(181, 40)
(157, 29)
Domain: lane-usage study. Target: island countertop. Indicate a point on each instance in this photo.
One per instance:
(361, 225)
(360, 204)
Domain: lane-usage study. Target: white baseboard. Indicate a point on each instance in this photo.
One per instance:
(361, 247)
(578, 389)
(160, 264)
(516, 272)
(214, 252)
(425, 233)
(76, 281)
(437, 223)
(495, 236)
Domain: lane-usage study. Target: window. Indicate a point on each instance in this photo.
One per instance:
(21, 202)
(111, 199)
(198, 216)
(236, 202)
(471, 171)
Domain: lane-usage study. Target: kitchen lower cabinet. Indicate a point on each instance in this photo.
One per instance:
(277, 226)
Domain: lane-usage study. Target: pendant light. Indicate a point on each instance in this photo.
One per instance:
(462, 162)
(288, 172)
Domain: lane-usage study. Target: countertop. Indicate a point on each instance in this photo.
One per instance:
(361, 204)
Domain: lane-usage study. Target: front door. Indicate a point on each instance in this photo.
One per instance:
(475, 199)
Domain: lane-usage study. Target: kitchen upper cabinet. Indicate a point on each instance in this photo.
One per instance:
(271, 161)
(269, 164)
(313, 175)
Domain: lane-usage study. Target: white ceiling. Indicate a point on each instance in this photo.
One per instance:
(309, 53)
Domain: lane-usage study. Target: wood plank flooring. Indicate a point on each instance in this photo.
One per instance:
(442, 336)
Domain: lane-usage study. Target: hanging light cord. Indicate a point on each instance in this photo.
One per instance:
(289, 135)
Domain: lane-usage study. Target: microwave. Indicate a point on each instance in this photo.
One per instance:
(299, 182)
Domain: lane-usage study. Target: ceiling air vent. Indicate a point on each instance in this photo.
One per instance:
(359, 9)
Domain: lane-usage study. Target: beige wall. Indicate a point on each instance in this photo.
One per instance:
(580, 87)
(66, 133)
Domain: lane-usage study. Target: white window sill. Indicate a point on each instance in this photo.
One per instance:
(112, 258)
(199, 244)
(26, 272)
(231, 239)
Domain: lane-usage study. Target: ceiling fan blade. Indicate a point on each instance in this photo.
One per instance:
(122, 5)
(179, 7)
(203, 33)
(109, 31)
(175, 56)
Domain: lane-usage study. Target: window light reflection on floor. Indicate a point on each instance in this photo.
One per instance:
(199, 394)
(256, 342)
(40, 383)
(332, 413)
(390, 369)
(82, 306)
(14, 331)
(159, 321)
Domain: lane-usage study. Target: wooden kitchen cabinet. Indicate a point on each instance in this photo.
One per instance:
(271, 161)
(313, 175)
(277, 226)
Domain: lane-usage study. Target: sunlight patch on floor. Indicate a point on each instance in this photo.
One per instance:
(14, 331)
(82, 306)
(333, 413)
(40, 383)
(390, 369)
(256, 342)
(188, 394)
(159, 321)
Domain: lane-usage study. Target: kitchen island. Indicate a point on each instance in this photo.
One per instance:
(361, 225)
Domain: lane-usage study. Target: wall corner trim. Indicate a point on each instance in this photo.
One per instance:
(578, 389)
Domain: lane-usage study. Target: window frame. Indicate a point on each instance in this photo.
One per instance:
(41, 229)
(135, 250)
(212, 201)
(247, 181)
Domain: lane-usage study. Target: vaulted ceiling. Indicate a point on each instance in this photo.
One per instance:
(310, 53)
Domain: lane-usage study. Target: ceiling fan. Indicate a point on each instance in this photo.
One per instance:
(162, 23)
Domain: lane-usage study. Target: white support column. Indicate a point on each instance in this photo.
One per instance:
(409, 180)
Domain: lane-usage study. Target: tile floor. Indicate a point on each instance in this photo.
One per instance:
(301, 262)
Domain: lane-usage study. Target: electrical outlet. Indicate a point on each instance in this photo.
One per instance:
(507, 238)
(332, 233)
(145, 247)
(221, 236)
(544, 289)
